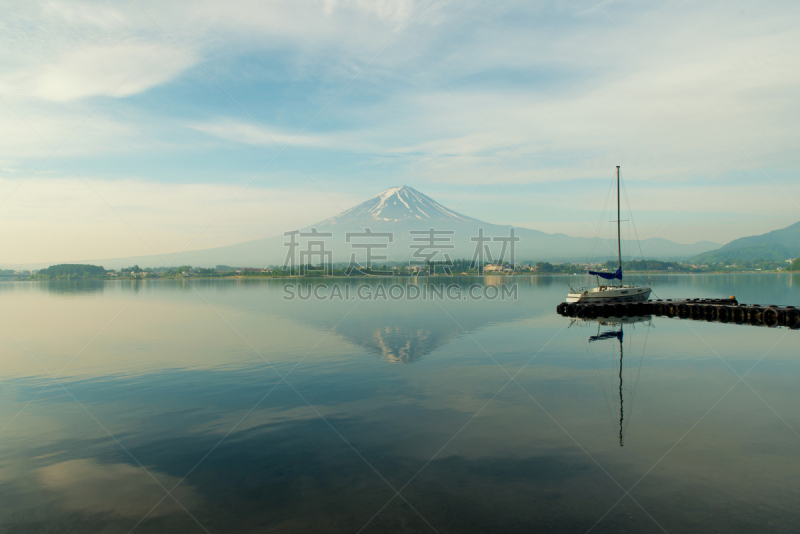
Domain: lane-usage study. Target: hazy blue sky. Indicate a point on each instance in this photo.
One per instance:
(168, 123)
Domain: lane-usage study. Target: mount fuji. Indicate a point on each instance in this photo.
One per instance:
(399, 211)
(397, 205)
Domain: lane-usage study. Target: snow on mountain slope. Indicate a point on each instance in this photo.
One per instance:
(396, 204)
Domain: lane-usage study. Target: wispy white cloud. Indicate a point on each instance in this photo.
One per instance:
(61, 52)
(108, 69)
(250, 133)
(443, 106)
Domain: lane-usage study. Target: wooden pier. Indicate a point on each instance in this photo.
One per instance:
(719, 310)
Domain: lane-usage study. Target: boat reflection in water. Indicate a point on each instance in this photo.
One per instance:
(613, 328)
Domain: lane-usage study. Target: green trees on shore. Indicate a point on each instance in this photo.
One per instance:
(71, 270)
(67, 271)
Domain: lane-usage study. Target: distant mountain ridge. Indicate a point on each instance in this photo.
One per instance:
(788, 237)
(777, 245)
(401, 210)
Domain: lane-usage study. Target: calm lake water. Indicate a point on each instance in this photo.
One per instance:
(219, 406)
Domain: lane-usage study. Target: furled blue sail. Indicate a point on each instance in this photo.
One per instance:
(609, 276)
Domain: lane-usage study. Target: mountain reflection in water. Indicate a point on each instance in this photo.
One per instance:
(414, 329)
(398, 343)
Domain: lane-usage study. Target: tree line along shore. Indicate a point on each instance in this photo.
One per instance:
(67, 271)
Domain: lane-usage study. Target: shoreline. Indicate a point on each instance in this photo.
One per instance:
(11, 278)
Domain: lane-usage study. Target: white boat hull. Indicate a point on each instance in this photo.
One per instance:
(610, 294)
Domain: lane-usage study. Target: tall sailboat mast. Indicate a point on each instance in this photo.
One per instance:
(619, 242)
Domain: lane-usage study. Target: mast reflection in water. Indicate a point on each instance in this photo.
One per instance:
(617, 332)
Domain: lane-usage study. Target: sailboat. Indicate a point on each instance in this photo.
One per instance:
(611, 293)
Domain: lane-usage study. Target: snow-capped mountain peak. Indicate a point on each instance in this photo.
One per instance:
(397, 204)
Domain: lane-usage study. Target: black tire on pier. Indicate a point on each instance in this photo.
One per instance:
(570, 310)
(710, 312)
(770, 317)
(792, 319)
(658, 308)
(724, 314)
(696, 311)
(738, 314)
(683, 310)
(619, 310)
